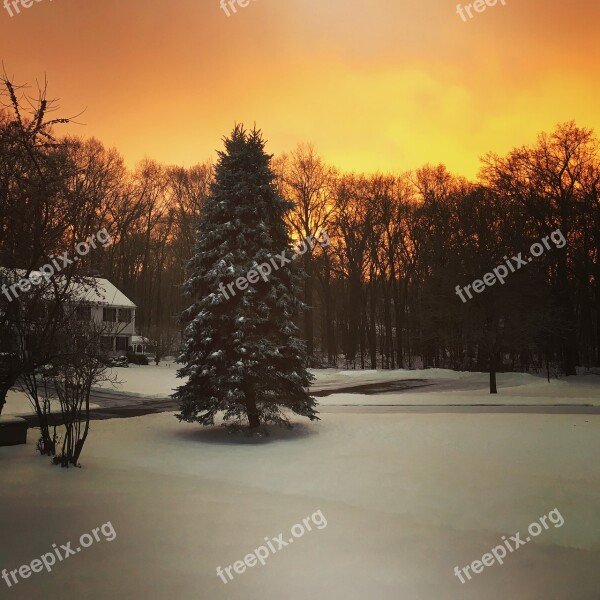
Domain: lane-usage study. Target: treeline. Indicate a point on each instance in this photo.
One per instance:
(383, 294)
(73, 188)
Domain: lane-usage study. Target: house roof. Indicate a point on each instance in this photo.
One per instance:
(102, 292)
(96, 290)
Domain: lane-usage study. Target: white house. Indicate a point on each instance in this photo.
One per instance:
(105, 304)
(96, 300)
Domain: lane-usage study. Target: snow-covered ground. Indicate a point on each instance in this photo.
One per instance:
(407, 498)
(146, 380)
(161, 380)
(472, 389)
(17, 403)
(333, 378)
(451, 387)
(443, 387)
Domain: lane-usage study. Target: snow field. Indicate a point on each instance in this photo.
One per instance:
(406, 497)
(450, 387)
(17, 403)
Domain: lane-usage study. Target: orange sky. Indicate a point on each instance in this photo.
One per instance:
(376, 84)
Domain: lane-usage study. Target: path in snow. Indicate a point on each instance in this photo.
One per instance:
(114, 404)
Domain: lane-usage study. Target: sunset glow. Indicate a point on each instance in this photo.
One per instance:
(387, 85)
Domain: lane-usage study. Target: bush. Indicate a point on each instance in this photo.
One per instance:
(137, 359)
(118, 361)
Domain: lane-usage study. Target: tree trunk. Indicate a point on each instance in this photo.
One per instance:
(399, 325)
(493, 387)
(6, 382)
(597, 354)
(387, 317)
(331, 343)
(308, 313)
(354, 311)
(3, 392)
(251, 409)
(81, 440)
(373, 327)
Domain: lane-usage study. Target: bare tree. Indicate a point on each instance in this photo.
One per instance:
(308, 182)
(163, 340)
(73, 380)
(34, 195)
(75, 363)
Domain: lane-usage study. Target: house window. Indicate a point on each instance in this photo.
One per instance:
(106, 343)
(125, 315)
(109, 315)
(121, 344)
(84, 313)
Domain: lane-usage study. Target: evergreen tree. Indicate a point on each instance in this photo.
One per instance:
(242, 355)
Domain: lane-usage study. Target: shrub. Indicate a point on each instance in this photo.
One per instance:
(137, 359)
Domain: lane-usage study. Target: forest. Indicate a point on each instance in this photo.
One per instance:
(383, 293)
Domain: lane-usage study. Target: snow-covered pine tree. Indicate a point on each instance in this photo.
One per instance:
(242, 355)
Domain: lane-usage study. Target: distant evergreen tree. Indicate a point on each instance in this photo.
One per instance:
(242, 355)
